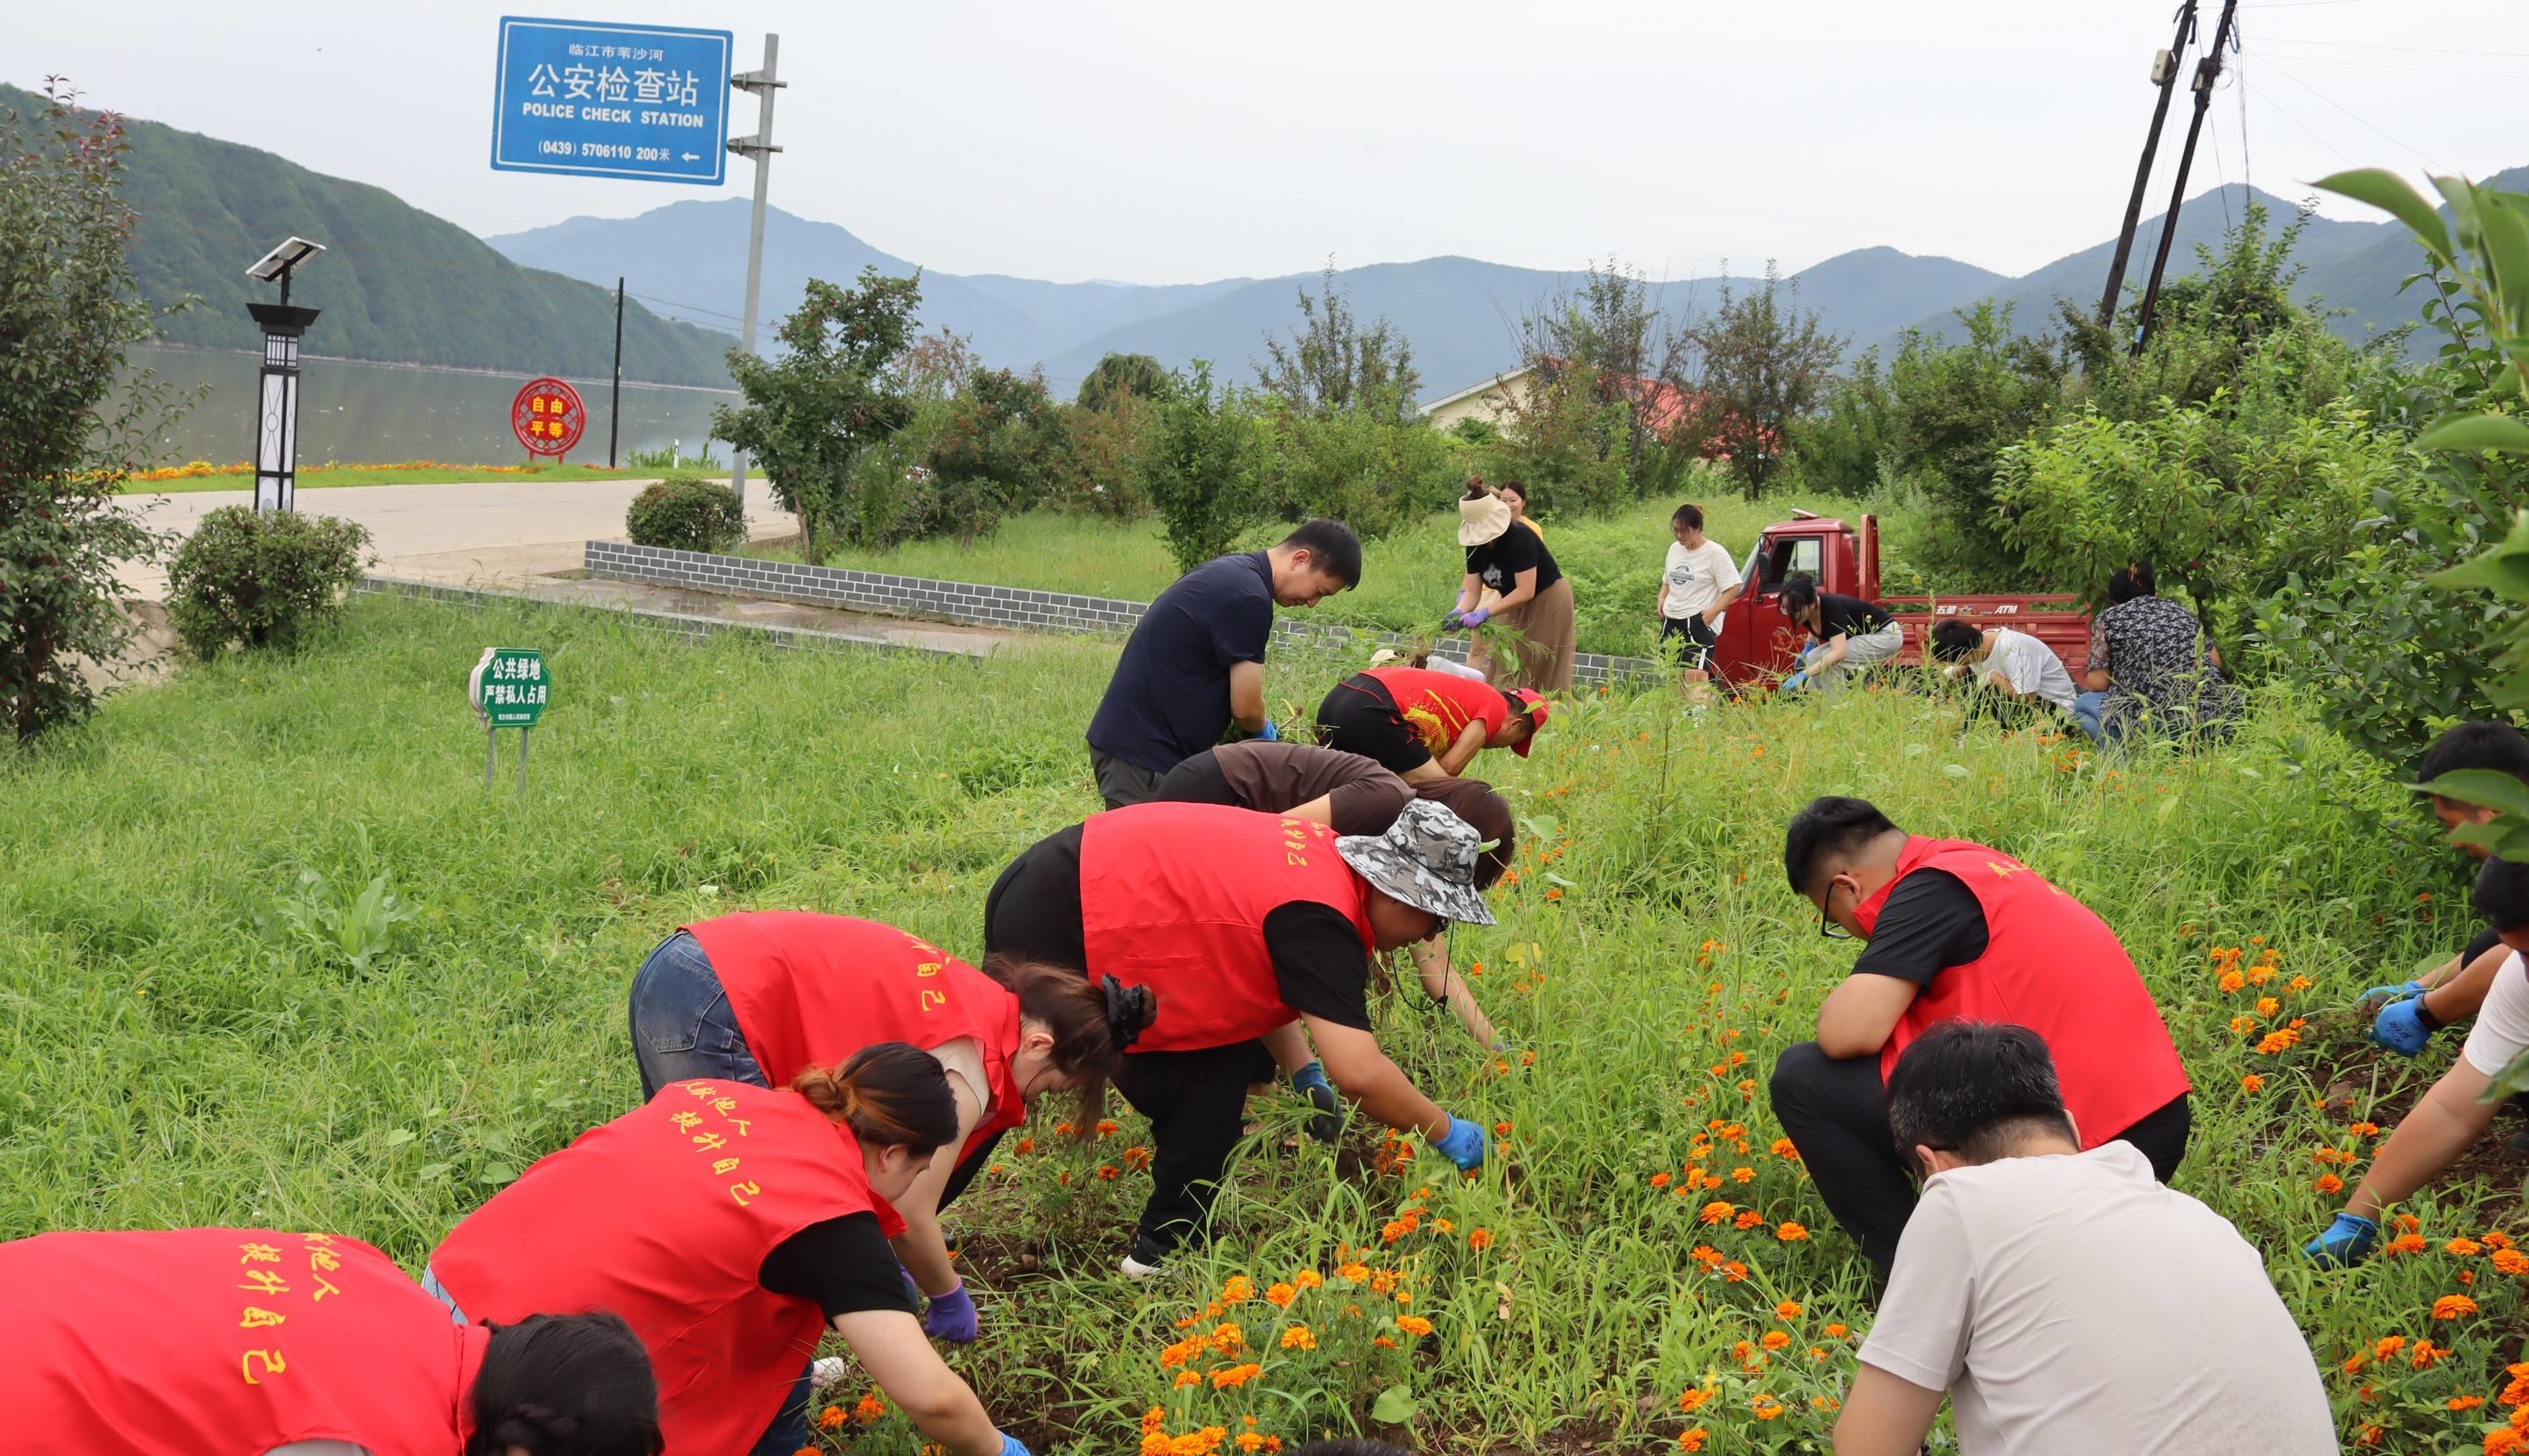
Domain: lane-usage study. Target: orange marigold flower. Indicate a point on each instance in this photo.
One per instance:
(1718, 1211)
(2428, 1354)
(1791, 1234)
(1414, 1324)
(1308, 1279)
(2297, 983)
(871, 1410)
(1353, 1273)
(1735, 1271)
(1838, 1331)
(1299, 1337)
(2241, 1026)
(1027, 1145)
(1775, 1339)
(1385, 1343)
(2231, 980)
(2267, 1005)
(2329, 1183)
(1692, 1400)
(1749, 1218)
(2453, 1306)
(1784, 1148)
(1238, 1290)
(2466, 1402)
(1187, 1377)
(1109, 1129)
(1744, 1174)
(1481, 1240)
(2505, 1442)
(2463, 1248)
(2510, 1261)
(2408, 1222)
(1137, 1158)
(2371, 1435)
(1248, 1440)
(1280, 1296)
(2276, 1042)
(832, 1418)
(1705, 1255)
(1110, 1171)
(1232, 1376)
(1661, 1181)
(1501, 1129)
(2497, 1239)
(1766, 1406)
(2390, 1346)
(2364, 1129)
(2252, 1083)
(1692, 1440)
(2405, 1243)
(1228, 1338)
(1788, 1310)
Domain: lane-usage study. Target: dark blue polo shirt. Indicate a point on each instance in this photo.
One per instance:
(1170, 697)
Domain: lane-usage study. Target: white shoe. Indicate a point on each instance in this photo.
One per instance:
(827, 1372)
(1135, 1269)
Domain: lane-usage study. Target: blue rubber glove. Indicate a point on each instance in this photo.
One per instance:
(1796, 681)
(1310, 1081)
(952, 1316)
(1477, 618)
(1268, 732)
(2402, 1027)
(2380, 996)
(2348, 1240)
(1011, 1446)
(1465, 1145)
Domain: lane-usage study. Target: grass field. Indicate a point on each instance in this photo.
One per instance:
(1407, 580)
(205, 1023)
(419, 472)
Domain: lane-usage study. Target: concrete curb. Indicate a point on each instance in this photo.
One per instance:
(678, 623)
(1016, 607)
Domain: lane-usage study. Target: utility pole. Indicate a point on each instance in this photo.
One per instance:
(2207, 71)
(759, 149)
(614, 403)
(2165, 77)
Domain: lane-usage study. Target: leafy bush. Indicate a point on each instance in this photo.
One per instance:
(1099, 469)
(995, 446)
(1117, 378)
(684, 513)
(1359, 468)
(1201, 467)
(260, 579)
(1564, 441)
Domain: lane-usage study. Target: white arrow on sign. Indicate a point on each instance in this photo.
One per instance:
(692, 157)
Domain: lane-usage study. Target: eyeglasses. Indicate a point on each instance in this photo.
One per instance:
(1826, 927)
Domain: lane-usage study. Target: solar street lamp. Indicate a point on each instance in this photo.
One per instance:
(275, 432)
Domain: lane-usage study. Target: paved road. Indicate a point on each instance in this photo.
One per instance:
(485, 533)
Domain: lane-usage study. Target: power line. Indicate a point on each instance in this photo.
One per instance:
(2268, 98)
(2323, 96)
(2428, 50)
(686, 307)
(2444, 72)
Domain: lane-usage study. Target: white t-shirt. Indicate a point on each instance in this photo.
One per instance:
(2024, 664)
(2070, 1303)
(1697, 580)
(2501, 1030)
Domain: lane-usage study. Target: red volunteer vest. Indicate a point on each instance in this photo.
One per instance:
(812, 990)
(1174, 896)
(1440, 705)
(2053, 966)
(663, 1215)
(227, 1342)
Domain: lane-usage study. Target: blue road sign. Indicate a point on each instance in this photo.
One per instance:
(649, 102)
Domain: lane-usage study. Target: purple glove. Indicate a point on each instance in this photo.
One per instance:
(952, 1316)
(1477, 618)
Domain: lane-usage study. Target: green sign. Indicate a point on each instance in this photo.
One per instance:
(509, 687)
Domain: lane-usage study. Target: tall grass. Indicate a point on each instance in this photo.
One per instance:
(184, 1050)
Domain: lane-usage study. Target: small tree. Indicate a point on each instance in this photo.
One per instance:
(836, 388)
(1122, 376)
(995, 448)
(1336, 366)
(1200, 467)
(68, 310)
(1762, 362)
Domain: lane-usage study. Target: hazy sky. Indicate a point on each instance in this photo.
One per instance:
(1171, 142)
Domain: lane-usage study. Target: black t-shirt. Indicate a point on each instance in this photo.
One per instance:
(844, 1266)
(1849, 617)
(2485, 939)
(1499, 561)
(1170, 697)
(1319, 958)
(1931, 922)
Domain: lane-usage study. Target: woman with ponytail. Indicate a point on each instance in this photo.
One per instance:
(732, 1226)
(761, 996)
(259, 1342)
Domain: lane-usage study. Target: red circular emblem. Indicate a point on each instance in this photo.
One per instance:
(548, 417)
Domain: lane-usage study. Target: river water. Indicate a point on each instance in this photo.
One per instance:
(355, 412)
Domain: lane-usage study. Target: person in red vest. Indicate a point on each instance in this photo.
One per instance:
(259, 1342)
(1351, 796)
(731, 1225)
(1242, 923)
(1957, 930)
(764, 996)
(1426, 724)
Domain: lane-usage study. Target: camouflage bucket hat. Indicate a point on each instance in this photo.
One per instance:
(1425, 859)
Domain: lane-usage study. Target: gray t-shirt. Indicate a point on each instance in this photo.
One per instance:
(2072, 1303)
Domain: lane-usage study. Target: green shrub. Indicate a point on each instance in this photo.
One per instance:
(260, 579)
(1360, 468)
(682, 513)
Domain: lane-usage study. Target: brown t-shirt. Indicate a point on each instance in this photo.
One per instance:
(1275, 778)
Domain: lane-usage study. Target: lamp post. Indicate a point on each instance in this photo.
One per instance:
(276, 430)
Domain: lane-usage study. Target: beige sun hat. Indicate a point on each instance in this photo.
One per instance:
(1483, 519)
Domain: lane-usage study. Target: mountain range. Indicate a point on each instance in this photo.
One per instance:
(396, 284)
(1461, 313)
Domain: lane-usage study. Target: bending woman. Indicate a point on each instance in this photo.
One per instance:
(1512, 576)
(1849, 634)
(762, 997)
(1421, 723)
(258, 1342)
(731, 1225)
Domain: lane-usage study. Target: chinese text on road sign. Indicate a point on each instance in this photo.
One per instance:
(599, 100)
(508, 687)
(548, 417)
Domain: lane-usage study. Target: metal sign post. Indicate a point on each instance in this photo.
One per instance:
(759, 149)
(586, 99)
(508, 688)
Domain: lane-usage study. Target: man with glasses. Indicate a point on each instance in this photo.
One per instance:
(1957, 930)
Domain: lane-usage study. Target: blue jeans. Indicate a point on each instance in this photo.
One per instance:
(2086, 710)
(431, 1286)
(682, 1028)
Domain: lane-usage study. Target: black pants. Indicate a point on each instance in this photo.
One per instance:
(1197, 1103)
(1836, 1112)
(1359, 717)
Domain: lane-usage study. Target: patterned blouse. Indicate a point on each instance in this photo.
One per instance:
(2161, 668)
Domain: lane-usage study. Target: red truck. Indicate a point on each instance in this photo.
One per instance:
(1759, 643)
